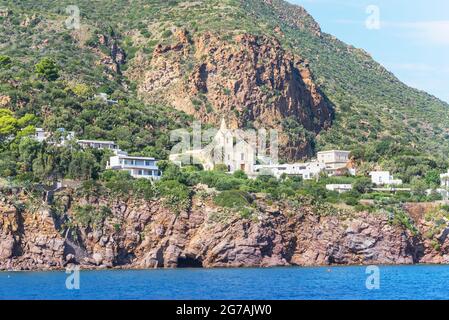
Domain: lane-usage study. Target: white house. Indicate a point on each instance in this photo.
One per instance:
(340, 188)
(327, 161)
(41, 135)
(98, 144)
(138, 167)
(444, 178)
(104, 97)
(307, 171)
(335, 161)
(64, 136)
(228, 147)
(383, 178)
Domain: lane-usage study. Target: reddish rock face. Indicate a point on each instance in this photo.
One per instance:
(141, 234)
(29, 241)
(251, 80)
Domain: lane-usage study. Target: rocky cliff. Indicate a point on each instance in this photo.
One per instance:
(251, 80)
(142, 234)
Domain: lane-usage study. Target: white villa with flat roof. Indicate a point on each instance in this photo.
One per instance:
(329, 162)
(383, 178)
(335, 160)
(340, 188)
(307, 171)
(41, 135)
(98, 144)
(138, 167)
(64, 136)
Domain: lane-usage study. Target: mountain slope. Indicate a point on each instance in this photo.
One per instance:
(259, 62)
(371, 103)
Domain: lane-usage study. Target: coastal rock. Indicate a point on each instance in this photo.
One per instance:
(6, 247)
(151, 236)
(98, 258)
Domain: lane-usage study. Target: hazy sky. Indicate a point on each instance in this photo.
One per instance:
(411, 40)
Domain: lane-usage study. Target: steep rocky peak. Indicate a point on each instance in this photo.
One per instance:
(250, 78)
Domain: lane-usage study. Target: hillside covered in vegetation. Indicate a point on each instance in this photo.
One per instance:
(260, 62)
(163, 64)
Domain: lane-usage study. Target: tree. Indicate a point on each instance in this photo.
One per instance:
(170, 171)
(47, 69)
(118, 182)
(28, 150)
(44, 167)
(419, 186)
(7, 164)
(82, 166)
(362, 185)
(81, 90)
(8, 124)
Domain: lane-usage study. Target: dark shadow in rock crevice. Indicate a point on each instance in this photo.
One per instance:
(189, 262)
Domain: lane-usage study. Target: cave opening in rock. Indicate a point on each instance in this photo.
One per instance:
(189, 262)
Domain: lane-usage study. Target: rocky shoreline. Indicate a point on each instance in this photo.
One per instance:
(139, 234)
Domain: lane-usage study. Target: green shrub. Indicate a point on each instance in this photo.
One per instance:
(221, 167)
(232, 199)
(246, 213)
(362, 185)
(143, 188)
(5, 61)
(89, 215)
(177, 196)
(400, 217)
(351, 197)
(228, 183)
(47, 69)
(83, 166)
(167, 34)
(119, 182)
(240, 174)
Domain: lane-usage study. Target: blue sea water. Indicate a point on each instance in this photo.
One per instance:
(395, 282)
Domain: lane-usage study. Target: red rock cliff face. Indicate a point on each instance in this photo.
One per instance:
(251, 80)
(140, 234)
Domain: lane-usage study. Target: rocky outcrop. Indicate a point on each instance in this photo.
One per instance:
(249, 79)
(4, 100)
(362, 239)
(29, 241)
(141, 234)
(115, 56)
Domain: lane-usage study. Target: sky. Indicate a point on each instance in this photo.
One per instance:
(408, 37)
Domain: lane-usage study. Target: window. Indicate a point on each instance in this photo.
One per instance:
(243, 156)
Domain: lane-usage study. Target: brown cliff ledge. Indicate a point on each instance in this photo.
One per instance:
(138, 234)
